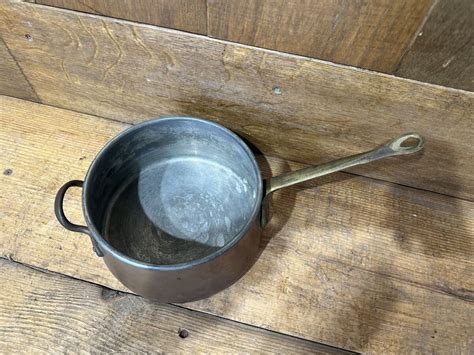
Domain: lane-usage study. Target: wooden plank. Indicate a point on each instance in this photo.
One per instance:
(367, 34)
(292, 107)
(349, 261)
(47, 312)
(443, 52)
(186, 15)
(12, 80)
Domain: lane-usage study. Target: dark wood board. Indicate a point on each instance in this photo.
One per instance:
(186, 15)
(370, 34)
(443, 53)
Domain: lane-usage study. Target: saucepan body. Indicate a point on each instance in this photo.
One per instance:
(176, 205)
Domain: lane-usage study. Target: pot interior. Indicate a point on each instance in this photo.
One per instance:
(173, 190)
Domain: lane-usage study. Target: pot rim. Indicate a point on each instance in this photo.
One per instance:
(105, 246)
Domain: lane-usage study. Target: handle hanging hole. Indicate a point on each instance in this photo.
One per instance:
(410, 142)
(407, 143)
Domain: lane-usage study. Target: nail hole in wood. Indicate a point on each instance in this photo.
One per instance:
(183, 333)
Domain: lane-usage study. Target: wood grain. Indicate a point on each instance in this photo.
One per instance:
(319, 112)
(443, 54)
(348, 261)
(367, 34)
(46, 312)
(12, 80)
(186, 15)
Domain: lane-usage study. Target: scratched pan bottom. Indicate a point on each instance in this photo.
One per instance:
(178, 210)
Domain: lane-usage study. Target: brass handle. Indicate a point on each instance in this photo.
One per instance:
(414, 142)
(392, 148)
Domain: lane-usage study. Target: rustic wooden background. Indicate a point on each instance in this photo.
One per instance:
(426, 40)
(378, 259)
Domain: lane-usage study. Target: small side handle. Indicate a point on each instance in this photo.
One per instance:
(65, 222)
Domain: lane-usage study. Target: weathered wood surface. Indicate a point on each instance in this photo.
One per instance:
(12, 80)
(371, 34)
(444, 52)
(368, 34)
(349, 261)
(320, 111)
(46, 312)
(186, 15)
